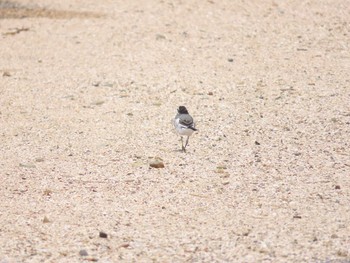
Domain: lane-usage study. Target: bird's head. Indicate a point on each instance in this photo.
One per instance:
(182, 110)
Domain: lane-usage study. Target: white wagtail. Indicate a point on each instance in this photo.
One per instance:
(184, 125)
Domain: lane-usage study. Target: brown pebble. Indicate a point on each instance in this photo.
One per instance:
(91, 259)
(6, 74)
(337, 187)
(46, 220)
(103, 234)
(83, 253)
(126, 245)
(47, 192)
(297, 216)
(342, 253)
(156, 164)
(210, 93)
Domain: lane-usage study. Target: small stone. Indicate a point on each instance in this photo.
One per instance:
(47, 192)
(46, 220)
(337, 187)
(108, 84)
(297, 216)
(83, 253)
(342, 253)
(230, 60)
(96, 83)
(156, 163)
(39, 160)
(6, 74)
(263, 248)
(257, 143)
(98, 103)
(27, 165)
(160, 37)
(103, 235)
(210, 93)
(334, 236)
(126, 245)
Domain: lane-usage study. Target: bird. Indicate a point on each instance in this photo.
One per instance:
(184, 125)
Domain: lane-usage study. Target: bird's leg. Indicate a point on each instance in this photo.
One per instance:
(182, 145)
(188, 137)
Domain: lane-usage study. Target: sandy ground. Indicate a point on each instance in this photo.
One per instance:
(87, 93)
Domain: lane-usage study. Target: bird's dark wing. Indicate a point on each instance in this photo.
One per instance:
(186, 120)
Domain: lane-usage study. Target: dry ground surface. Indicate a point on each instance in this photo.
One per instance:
(87, 93)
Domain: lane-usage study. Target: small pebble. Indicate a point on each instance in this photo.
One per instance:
(156, 164)
(98, 103)
(210, 93)
(342, 253)
(103, 234)
(126, 245)
(83, 253)
(230, 60)
(47, 192)
(337, 187)
(6, 74)
(46, 220)
(27, 165)
(160, 37)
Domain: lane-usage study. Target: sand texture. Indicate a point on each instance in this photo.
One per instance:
(88, 90)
